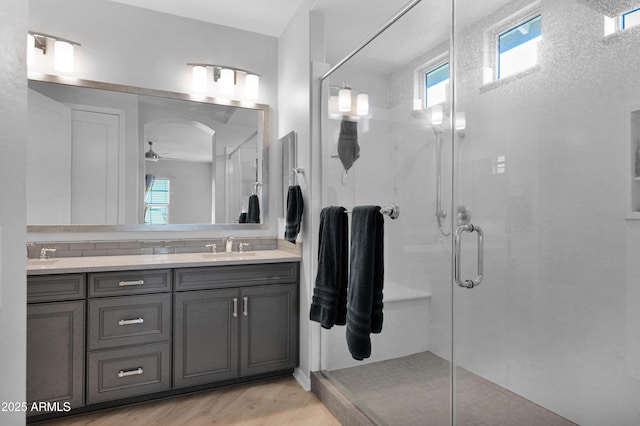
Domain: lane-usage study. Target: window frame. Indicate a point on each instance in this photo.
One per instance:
(492, 42)
(426, 76)
(420, 76)
(618, 22)
(161, 205)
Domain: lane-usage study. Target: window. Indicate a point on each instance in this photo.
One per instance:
(621, 22)
(631, 19)
(436, 83)
(157, 203)
(518, 47)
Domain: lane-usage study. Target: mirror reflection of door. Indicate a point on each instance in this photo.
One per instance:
(73, 173)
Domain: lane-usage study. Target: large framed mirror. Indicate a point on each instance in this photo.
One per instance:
(105, 157)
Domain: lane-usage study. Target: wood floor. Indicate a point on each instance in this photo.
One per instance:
(276, 402)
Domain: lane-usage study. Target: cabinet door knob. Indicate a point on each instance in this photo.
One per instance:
(235, 307)
(245, 306)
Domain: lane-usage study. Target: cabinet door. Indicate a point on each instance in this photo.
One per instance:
(55, 353)
(269, 329)
(205, 336)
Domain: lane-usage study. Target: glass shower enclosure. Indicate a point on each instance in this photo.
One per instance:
(508, 133)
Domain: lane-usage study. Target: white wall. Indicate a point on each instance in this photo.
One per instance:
(13, 138)
(190, 189)
(294, 74)
(133, 46)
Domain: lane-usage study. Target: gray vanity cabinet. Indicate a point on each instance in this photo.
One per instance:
(234, 330)
(129, 334)
(114, 335)
(55, 341)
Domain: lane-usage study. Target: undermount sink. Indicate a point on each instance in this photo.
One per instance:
(224, 255)
(41, 262)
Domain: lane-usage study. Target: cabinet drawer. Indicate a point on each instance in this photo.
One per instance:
(129, 320)
(49, 288)
(129, 282)
(123, 373)
(235, 275)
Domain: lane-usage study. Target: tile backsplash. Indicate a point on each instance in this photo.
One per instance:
(132, 247)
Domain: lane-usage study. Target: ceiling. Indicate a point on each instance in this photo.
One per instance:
(347, 22)
(268, 17)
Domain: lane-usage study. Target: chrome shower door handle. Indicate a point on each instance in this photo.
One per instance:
(458, 257)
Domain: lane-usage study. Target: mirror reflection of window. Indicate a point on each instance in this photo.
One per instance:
(157, 211)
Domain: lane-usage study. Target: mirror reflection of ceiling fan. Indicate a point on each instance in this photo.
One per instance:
(151, 155)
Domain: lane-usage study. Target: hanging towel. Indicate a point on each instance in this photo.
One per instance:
(295, 208)
(366, 278)
(253, 211)
(348, 148)
(329, 301)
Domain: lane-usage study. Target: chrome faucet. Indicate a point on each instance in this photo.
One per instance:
(213, 247)
(229, 245)
(242, 246)
(44, 253)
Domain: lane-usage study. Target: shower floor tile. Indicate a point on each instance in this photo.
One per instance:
(414, 390)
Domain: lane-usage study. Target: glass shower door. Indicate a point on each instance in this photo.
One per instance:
(379, 148)
(547, 296)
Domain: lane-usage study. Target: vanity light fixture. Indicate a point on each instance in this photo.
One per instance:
(199, 74)
(230, 79)
(63, 50)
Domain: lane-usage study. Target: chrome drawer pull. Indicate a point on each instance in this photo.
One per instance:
(128, 283)
(245, 306)
(235, 307)
(131, 321)
(126, 373)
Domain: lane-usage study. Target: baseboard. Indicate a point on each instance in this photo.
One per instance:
(303, 380)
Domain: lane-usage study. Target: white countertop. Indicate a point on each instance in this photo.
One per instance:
(66, 265)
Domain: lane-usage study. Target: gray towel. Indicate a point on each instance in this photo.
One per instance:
(253, 210)
(329, 301)
(366, 279)
(348, 148)
(295, 208)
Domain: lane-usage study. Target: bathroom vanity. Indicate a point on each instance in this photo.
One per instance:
(106, 331)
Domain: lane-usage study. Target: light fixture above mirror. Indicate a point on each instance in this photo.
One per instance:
(229, 79)
(63, 50)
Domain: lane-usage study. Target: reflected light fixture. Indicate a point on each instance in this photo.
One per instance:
(228, 79)
(437, 115)
(63, 50)
(461, 123)
(151, 154)
(362, 104)
(344, 99)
